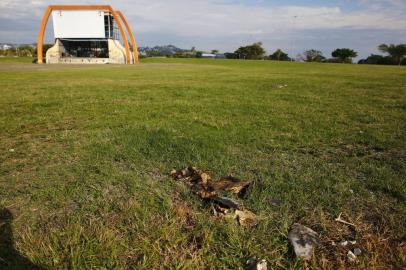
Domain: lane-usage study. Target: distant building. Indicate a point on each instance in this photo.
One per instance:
(87, 34)
(7, 47)
(213, 56)
(208, 55)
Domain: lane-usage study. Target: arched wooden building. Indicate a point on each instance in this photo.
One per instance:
(88, 34)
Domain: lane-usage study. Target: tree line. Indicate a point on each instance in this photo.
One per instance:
(20, 51)
(394, 55)
(24, 51)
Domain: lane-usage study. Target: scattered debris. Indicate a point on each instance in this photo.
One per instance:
(280, 86)
(339, 219)
(204, 191)
(246, 218)
(202, 184)
(187, 172)
(254, 263)
(11, 150)
(205, 178)
(219, 211)
(343, 243)
(226, 202)
(303, 240)
(357, 251)
(199, 181)
(351, 256)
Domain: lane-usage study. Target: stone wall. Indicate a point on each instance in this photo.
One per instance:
(54, 54)
(116, 52)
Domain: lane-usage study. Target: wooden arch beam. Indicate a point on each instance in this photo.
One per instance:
(130, 32)
(51, 8)
(41, 34)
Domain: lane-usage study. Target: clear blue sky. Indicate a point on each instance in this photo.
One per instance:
(292, 25)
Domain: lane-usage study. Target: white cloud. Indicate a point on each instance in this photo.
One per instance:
(223, 17)
(219, 18)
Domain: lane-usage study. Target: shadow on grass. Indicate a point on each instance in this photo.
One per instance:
(10, 258)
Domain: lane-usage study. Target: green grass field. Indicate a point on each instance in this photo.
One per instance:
(86, 153)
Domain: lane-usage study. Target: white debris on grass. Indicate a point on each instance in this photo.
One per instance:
(303, 240)
(357, 251)
(351, 256)
(254, 263)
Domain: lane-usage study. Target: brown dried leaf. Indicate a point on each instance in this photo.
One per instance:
(204, 191)
(205, 178)
(175, 174)
(185, 173)
(246, 218)
(231, 183)
(205, 194)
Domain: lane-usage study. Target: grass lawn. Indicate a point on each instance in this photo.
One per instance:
(12, 59)
(86, 152)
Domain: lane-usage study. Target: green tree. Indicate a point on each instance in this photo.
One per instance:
(279, 55)
(375, 59)
(229, 55)
(254, 51)
(26, 51)
(10, 52)
(397, 52)
(313, 56)
(214, 51)
(154, 53)
(344, 55)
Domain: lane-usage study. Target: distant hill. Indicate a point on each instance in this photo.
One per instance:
(159, 50)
